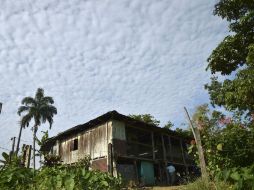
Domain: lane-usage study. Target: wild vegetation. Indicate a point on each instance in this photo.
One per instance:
(54, 177)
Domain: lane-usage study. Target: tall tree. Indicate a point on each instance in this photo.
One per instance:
(40, 109)
(234, 57)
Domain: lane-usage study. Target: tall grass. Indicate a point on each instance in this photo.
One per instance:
(200, 184)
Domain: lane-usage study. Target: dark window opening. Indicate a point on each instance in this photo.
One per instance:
(74, 145)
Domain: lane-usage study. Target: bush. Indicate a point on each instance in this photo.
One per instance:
(57, 177)
(242, 178)
(73, 177)
(16, 178)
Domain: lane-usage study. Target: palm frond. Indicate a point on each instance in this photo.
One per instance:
(49, 109)
(25, 120)
(39, 108)
(39, 94)
(22, 109)
(50, 120)
(48, 100)
(28, 101)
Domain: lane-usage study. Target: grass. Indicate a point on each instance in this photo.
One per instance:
(200, 184)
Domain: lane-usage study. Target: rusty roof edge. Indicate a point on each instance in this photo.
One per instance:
(103, 118)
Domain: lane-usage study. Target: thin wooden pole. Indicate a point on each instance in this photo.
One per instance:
(13, 146)
(13, 143)
(201, 156)
(19, 137)
(34, 133)
(1, 105)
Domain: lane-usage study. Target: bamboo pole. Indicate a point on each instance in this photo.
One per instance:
(201, 156)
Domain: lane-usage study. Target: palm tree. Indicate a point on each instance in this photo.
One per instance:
(40, 110)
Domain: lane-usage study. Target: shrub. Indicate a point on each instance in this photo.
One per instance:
(242, 178)
(16, 178)
(74, 177)
(57, 177)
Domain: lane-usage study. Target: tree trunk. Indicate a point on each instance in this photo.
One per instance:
(17, 148)
(34, 133)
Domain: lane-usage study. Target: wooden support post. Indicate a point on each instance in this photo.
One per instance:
(165, 159)
(170, 149)
(28, 156)
(183, 155)
(196, 135)
(163, 148)
(152, 135)
(159, 164)
(136, 171)
(110, 159)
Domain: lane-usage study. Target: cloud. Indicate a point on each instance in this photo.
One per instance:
(93, 56)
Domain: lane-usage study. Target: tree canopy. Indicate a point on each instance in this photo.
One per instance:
(234, 56)
(147, 118)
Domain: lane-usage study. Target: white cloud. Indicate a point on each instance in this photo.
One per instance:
(94, 56)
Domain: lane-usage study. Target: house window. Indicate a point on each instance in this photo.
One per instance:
(74, 145)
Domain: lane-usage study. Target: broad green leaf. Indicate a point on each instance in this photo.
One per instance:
(105, 183)
(219, 147)
(235, 176)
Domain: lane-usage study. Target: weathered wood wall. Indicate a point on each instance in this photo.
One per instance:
(93, 142)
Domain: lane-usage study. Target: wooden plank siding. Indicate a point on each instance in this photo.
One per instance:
(93, 142)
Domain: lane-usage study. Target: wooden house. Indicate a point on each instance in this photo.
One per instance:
(122, 145)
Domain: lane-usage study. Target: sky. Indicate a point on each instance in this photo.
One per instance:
(94, 56)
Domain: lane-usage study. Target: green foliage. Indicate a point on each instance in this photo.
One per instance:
(44, 138)
(61, 177)
(169, 125)
(40, 109)
(6, 158)
(10, 160)
(16, 178)
(234, 54)
(85, 162)
(226, 142)
(147, 118)
(41, 142)
(241, 177)
(51, 160)
(74, 177)
(184, 132)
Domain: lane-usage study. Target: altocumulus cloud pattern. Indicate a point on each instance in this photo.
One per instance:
(92, 56)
